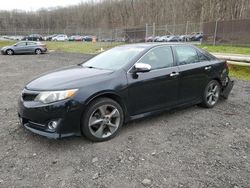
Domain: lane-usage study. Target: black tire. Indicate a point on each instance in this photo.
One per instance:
(38, 51)
(93, 110)
(9, 52)
(211, 94)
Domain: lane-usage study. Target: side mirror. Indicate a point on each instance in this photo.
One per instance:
(141, 67)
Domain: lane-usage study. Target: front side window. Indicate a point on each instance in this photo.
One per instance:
(21, 44)
(186, 55)
(159, 57)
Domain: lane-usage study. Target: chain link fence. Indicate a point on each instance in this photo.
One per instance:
(234, 32)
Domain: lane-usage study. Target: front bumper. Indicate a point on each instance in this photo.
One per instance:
(35, 117)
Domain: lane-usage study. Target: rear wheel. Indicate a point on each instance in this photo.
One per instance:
(102, 120)
(9, 52)
(211, 94)
(38, 51)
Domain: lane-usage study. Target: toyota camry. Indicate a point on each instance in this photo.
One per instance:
(127, 82)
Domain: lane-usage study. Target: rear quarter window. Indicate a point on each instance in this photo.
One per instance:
(186, 55)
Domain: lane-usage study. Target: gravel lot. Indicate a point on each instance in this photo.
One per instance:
(192, 147)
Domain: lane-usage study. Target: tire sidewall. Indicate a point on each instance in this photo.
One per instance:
(90, 109)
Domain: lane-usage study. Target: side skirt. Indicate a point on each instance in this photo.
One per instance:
(146, 114)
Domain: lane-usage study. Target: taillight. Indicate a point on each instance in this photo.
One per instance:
(43, 45)
(226, 65)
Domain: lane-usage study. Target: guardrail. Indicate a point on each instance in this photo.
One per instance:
(234, 59)
(238, 63)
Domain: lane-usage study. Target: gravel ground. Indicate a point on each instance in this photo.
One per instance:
(191, 147)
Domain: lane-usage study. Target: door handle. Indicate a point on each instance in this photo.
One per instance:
(208, 68)
(174, 74)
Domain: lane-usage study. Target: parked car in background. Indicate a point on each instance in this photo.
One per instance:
(75, 38)
(196, 36)
(149, 39)
(107, 40)
(184, 38)
(60, 37)
(156, 38)
(88, 38)
(173, 38)
(119, 39)
(125, 83)
(33, 37)
(24, 47)
(49, 37)
(163, 38)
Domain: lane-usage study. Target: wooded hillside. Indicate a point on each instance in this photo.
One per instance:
(126, 13)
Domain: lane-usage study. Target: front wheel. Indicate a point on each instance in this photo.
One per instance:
(9, 52)
(102, 120)
(211, 94)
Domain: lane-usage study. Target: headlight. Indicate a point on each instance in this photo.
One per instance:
(53, 96)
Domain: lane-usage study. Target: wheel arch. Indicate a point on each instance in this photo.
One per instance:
(112, 95)
(9, 49)
(218, 80)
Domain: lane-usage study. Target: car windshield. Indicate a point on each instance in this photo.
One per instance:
(113, 59)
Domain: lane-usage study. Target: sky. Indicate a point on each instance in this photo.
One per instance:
(33, 5)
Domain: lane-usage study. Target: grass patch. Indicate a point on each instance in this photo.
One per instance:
(226, 49)
(6, 43)
(239, 72)
(81, 47)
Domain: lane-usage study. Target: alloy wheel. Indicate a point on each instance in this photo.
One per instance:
(38, 51)
(9, 52)
(104, 121)
(213, 93)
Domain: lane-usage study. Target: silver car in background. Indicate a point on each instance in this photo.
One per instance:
(24, 47)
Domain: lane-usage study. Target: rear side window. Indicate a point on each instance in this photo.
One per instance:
(186, 55)
(159, 57)
(21, 44)
(31, 43)
(202, 57)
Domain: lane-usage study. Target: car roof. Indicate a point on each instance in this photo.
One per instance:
(153, 44)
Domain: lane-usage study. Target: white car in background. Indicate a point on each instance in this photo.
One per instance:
(60, 38)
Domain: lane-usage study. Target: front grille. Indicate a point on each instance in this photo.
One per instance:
(29, 96)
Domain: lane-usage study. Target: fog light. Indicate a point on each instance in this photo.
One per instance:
(53, 125)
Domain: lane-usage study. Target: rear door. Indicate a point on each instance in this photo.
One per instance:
(31, 47)
(194, 72)
(156, 89)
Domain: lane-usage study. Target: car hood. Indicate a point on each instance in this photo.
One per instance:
(68, 78)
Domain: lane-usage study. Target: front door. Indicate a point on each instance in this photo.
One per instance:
(155, 89)
(20, 47)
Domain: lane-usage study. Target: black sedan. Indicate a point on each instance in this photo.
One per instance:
(97, 97)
